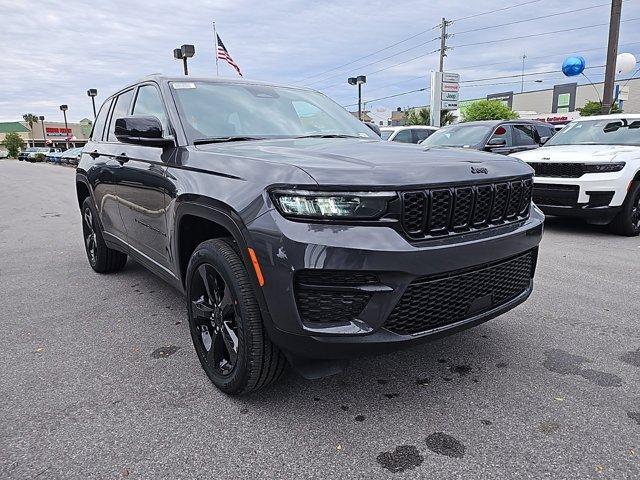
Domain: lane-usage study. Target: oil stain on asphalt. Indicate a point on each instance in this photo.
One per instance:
(164, 352)
(444, 444)
(564, 363)
(632, 358)
(404, 457)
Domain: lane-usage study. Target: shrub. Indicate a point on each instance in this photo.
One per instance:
(488, 110)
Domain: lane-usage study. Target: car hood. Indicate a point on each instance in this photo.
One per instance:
(579, 153)
(351, 162)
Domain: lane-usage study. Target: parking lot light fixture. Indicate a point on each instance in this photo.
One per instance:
(359, 80)
(92, 92)
(64, 109)
(44, 136)
(182, 53)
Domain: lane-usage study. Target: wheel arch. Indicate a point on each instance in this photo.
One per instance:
(83, 190)
(197, 220)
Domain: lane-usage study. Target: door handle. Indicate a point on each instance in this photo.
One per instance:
(122, 158)
(94, 154)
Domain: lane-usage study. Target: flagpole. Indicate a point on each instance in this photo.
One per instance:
(215, 39)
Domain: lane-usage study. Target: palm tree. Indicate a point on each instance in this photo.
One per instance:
(423, 116)
(30, 118)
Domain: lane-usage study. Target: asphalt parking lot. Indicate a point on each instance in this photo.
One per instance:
(99, 378)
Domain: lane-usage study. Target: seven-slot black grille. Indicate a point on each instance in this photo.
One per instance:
(432, 302)
(324, 295)
(558, 170)
(441, 211)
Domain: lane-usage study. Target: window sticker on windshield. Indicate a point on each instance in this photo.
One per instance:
(364, 135)
(182, 85)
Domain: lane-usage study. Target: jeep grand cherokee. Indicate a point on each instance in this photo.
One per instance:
(296, 233)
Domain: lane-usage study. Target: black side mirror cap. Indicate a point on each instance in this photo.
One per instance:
(141, 130)
(374, 127)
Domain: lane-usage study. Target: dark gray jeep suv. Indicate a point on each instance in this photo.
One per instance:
(295, 233)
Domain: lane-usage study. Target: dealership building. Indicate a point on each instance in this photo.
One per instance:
(53, 134)
(557, 105)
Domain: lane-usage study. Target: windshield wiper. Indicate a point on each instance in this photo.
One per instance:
(237, 138)
(328, 135)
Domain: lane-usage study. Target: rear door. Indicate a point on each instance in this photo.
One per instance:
(143, 186)
(102, 172)
(525, 137)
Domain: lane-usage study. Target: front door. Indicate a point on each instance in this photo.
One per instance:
(143, 186)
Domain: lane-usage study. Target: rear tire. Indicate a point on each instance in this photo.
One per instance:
(627, 221)
(225, 321)
(101, 258)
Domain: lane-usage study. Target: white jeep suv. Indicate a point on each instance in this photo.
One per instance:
(591, 169)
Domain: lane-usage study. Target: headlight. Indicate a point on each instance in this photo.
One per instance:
(604, 167)
(348, 205)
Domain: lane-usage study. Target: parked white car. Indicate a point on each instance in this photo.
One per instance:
(591, 169)
(408, 134)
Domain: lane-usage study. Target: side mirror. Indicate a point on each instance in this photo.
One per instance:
(496, 142)
(544, 140)
(374, 127)
(141, 130)
(612, 127)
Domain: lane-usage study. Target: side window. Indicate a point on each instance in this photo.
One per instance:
(148, 102)
(524, 135)
(101, 120)
(121, 109)
(420, 134)
(502, 132)
(404, 136)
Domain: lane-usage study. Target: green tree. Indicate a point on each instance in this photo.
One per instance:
(488, 110)
(14, 143)
(423, 117)
(595, 108)
(30, 118)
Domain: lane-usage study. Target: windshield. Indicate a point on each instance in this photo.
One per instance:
(385, 134)
(37, 149)
(591, 132)
(458, 136)
(220, 110)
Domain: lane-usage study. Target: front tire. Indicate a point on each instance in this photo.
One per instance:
(225, 321)
(627, 222)
(101, 258)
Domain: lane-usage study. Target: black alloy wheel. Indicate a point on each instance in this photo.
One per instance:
(101, 258)
(225, 320)
(90, 240)
(215, 314)
(627, 222)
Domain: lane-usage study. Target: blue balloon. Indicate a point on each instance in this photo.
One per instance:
(573, 66)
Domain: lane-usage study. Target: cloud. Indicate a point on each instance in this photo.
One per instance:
(60, 49)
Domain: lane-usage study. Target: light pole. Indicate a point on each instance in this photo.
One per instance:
(182, 53)
(64, 109)
(359, 80)
(92, 92)
(44, 136)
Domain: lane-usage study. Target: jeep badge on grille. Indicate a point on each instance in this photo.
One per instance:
(479, 170)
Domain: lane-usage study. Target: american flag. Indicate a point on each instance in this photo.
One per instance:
(224, 55)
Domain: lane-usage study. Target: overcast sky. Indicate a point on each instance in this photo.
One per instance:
(53, 51)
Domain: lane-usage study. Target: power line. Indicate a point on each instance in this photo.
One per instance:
(378, 61)
(370, 54)
(530, 19)
(389, 96)
(496, 10)
(485, 42)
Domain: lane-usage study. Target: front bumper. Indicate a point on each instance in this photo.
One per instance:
(285, 248)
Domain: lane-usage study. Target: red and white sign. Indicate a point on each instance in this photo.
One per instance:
(57, 131)
(450, 87)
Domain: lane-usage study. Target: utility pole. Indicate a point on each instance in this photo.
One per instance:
(443, 42)
(524, 56)
(612, 53)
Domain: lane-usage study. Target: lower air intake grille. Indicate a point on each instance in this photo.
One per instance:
(324, 296)
(432, 302)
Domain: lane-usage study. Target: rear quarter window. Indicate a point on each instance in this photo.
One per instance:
(101, 120)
